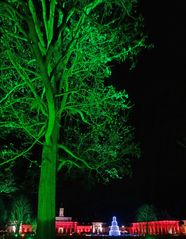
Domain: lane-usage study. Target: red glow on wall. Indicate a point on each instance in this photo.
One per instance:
(84, 229)
(63, 227)
(26, 228)
(155, 227)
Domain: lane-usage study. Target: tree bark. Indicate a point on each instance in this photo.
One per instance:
(47, 190)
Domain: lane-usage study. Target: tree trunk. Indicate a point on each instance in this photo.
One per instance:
(47, 190)
(18, 224)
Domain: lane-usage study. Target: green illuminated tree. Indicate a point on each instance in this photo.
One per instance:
(146, 213)
(56, 56)
(20, 212)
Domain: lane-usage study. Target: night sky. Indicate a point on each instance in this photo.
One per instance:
(158, 90)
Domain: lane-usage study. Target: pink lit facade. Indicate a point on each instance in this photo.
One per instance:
(84, 229)
(63, 227)
(156, 227)
(71, 227)
(26, 228)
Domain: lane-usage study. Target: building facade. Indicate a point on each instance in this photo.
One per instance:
(66, 226)
(157, 227)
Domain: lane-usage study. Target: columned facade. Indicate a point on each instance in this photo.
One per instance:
(66, 227)
(155, 227)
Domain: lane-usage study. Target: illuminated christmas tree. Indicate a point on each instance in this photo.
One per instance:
(114, 229)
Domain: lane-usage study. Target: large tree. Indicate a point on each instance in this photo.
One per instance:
(55, 57)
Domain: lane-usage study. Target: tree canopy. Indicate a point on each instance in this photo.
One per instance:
(74, 50)
(146, 213)
(55, 62)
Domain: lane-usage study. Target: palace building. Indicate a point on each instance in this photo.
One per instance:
(158, 227)
(66, 226)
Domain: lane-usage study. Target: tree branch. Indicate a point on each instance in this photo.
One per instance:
(44, 13)
(51, 21)
(69, 152)
(46, 81)
(26, 79)
(25, 151)
(67, 161)
(37, 28)
(79, 112)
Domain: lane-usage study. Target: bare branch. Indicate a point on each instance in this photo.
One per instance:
(61, 146)
(51, 21)
(41, 133)
(25, 78)
(68, 162)
(37, 28)
(74, 110)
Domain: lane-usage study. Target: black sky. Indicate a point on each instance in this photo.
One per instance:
(157, 88)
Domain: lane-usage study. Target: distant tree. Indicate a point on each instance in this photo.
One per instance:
(34, 224)
(7, 182)
(146, 213)
(55, 57)
(21, 212)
